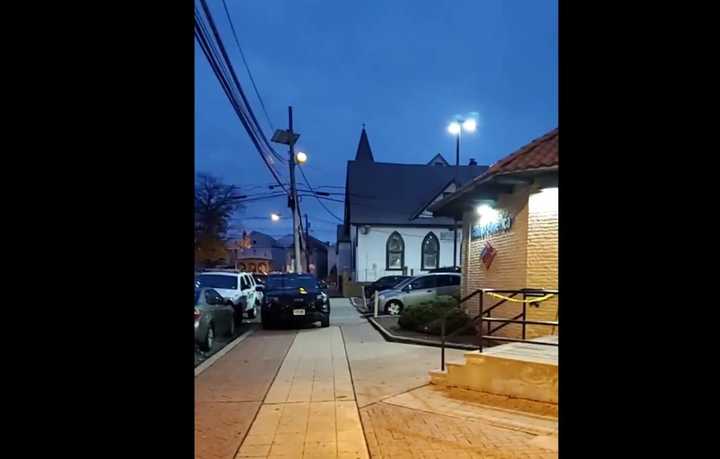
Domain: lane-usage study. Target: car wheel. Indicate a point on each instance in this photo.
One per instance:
(326, 321)
(232, 328)
(209, 340)
(267, 323)
(393, 308)
(253, 312)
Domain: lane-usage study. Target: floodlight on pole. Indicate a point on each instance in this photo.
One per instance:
(470, 125)
(274, 217)
(455, 128)
(301, 157)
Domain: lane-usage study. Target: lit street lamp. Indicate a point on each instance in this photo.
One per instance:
(301, 157)
(274, 217)
(455, 128)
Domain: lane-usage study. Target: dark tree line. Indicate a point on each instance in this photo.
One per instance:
(215, 203)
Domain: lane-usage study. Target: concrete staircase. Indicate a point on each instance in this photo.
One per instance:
(518, 370)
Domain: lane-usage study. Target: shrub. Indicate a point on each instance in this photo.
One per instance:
(427, 317)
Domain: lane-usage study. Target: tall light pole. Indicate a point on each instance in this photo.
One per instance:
(289, 138)
(455, 128)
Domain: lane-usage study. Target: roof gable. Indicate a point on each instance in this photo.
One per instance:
(387, 193)
(438, 160)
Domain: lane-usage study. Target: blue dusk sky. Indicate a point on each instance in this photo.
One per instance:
(404, 68)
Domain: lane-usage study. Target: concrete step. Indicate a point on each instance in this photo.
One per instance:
(508, 370)
(438, 377)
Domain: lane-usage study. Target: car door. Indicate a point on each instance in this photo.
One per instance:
(422, 290)
(222, 313)
(245, 290)
(453, 286)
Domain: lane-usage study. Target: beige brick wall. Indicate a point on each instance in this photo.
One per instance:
(542, 257)
(527, 256)
(508, 270)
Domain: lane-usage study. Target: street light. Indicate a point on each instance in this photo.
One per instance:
(301, 157)
(470, 125)
(274, 217)
(455, 128)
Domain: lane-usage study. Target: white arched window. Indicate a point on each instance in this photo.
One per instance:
(395, 252)
(430, 255)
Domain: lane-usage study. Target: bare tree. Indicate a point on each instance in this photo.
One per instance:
(215, 203)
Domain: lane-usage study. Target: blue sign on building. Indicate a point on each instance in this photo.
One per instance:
(481, 231)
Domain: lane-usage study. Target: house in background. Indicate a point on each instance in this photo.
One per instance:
(510, 222)
(388, 228)
(263, 253)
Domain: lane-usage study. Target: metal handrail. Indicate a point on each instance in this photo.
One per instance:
(526, 292)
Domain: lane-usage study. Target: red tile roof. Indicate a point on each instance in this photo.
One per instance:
(540, 153)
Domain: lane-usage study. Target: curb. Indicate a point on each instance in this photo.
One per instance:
(422, 342)
(228, 347)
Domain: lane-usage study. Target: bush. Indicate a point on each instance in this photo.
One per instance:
(427, 317)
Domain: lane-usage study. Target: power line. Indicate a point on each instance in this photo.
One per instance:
(247, 67)
(252, 80)
(302, 172)
(221, 66)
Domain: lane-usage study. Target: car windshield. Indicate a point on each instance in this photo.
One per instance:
(291, 282)
(217, 281)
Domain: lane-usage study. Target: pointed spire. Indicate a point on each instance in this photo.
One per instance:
(364, 153)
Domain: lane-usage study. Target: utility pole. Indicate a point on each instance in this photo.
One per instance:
(307, 243)
(294, 197)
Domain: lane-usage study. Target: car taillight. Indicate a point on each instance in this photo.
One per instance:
(197, 314)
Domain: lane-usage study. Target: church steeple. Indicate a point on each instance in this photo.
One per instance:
(364, 153)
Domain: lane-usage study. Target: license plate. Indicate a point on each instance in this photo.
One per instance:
(298, 312)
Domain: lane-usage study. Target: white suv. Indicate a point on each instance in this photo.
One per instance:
(237, 287)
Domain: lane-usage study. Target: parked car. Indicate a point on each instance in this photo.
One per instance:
(417, 290)
(384, 283)
(448, 269)
(238, 288)
(213, 317)
(294, 298)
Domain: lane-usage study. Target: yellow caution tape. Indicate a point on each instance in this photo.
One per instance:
(515, 300)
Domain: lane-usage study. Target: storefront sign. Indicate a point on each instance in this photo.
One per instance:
(488, 255)
(500, 225)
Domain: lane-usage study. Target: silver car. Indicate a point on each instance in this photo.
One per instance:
(418, 290)
(213, 317)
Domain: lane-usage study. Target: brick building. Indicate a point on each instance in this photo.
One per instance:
(510, 229)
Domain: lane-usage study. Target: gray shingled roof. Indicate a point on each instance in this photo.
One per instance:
(387, 193)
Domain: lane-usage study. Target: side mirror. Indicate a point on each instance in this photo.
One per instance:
(406, 289)
(259, 288)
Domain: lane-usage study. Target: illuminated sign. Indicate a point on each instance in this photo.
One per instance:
(486, 229)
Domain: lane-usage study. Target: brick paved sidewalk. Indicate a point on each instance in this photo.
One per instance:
(229, 393)
(394, 431)
(310, 409)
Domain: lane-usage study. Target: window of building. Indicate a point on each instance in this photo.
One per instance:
(395, 252)
(430, 252)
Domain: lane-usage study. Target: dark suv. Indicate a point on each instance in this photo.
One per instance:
(294, 298)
